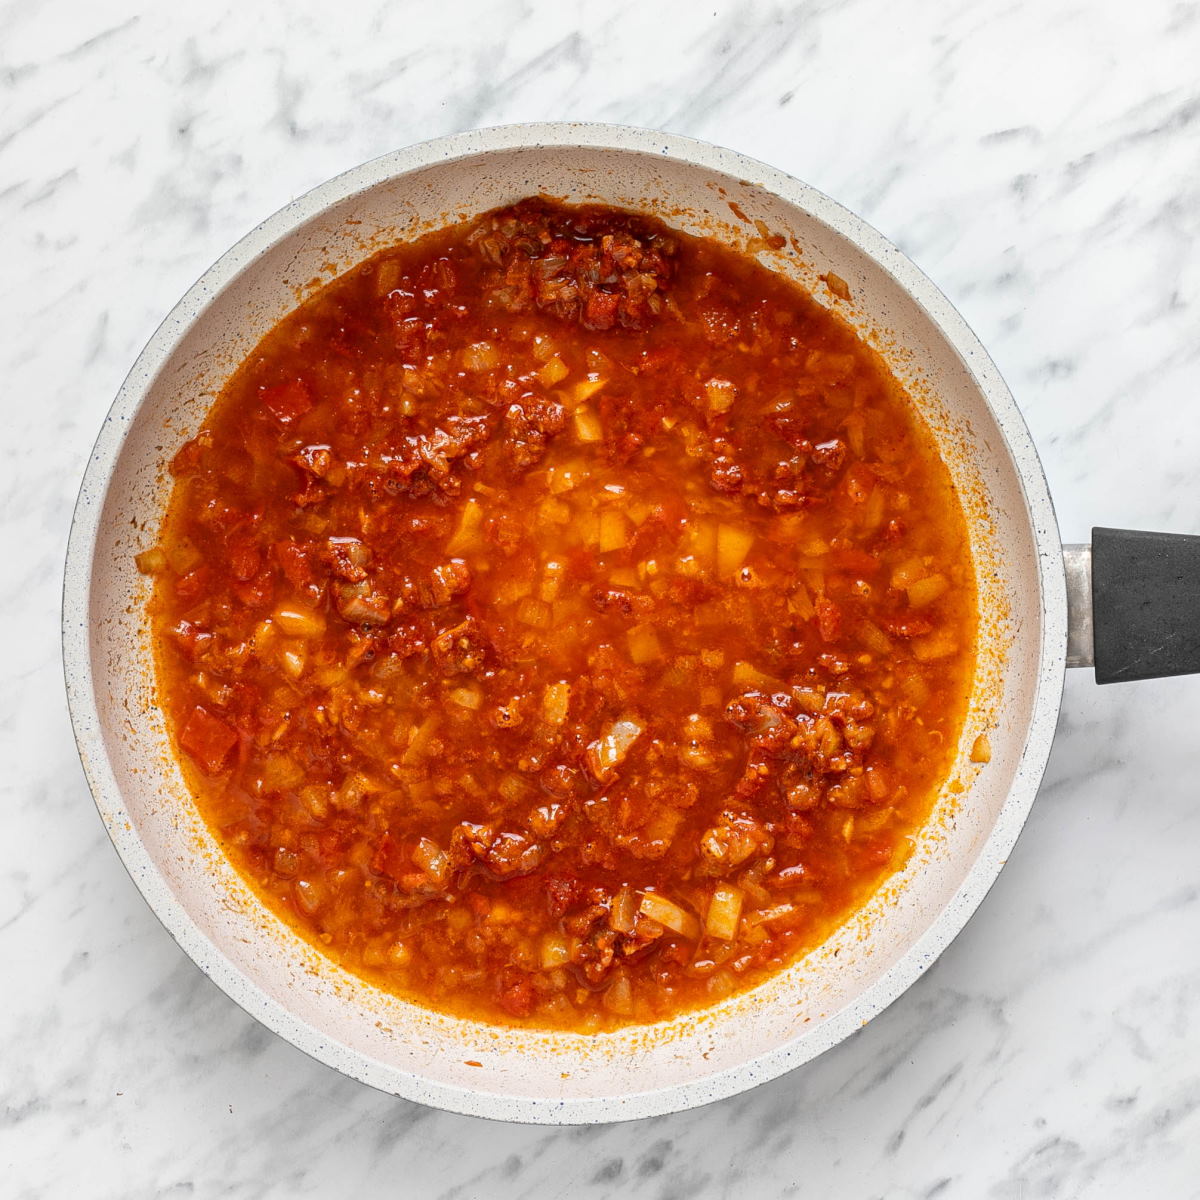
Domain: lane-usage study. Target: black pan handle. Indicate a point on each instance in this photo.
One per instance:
(1134, 604)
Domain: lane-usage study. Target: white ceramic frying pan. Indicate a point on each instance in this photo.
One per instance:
(641, 1071)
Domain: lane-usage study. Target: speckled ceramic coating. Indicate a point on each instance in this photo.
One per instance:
(518, 1074)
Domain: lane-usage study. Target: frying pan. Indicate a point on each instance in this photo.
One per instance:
(1119, 603)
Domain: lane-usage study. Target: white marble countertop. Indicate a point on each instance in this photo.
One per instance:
(1040, 160)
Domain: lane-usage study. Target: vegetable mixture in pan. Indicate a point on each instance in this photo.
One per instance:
(563, 621)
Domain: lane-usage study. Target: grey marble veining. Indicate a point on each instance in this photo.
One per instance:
(1041, 161)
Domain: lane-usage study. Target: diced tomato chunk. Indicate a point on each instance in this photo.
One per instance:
(389, 858)
(294, 560)
(859, 482)
(515, 993)
(600, 312)
(223, 516)
(907, 626)
(829, 619)
(244, 558)
(256, 592)
(191, 586)
(287, 401)
(331, 843)
(190, 639)
(562, 893)
(208, 740)
(858, 561)
(877, 851)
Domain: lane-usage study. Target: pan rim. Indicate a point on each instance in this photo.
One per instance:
(241, 987)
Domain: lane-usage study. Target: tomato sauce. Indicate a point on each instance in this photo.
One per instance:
(563, 621)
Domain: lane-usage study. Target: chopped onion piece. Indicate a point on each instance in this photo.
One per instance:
(552, 581)
(874, 637)
(721, 394)
(668, 913)
(720, 985)
(555, 371)
(554, 511)
(746, 675)
(470, 526)
(623, 914)
(800, 602)
(309, 894)
(419, 740)
(292, 661)
(481, 356)
(587, 425)
(182, 555)
(433, 860)
(152, 561)
(534, 613)
(613, 531)
(768, 916)
(934, 645)
(981, 751)
(874, 510)
(466, 697)
(926, 591)
(607, 753)
(909, 571)
(873, 822)
(855, 423)
(733, 544)
(700, 540)
(299, 622)
(279, 773)
(513, 789)
(562, 479)
(359, 603)
(592, 384)
(556, 951)
(513, 590)
(619, 996)
(724, 912)
(644, 646)
(555, 701)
